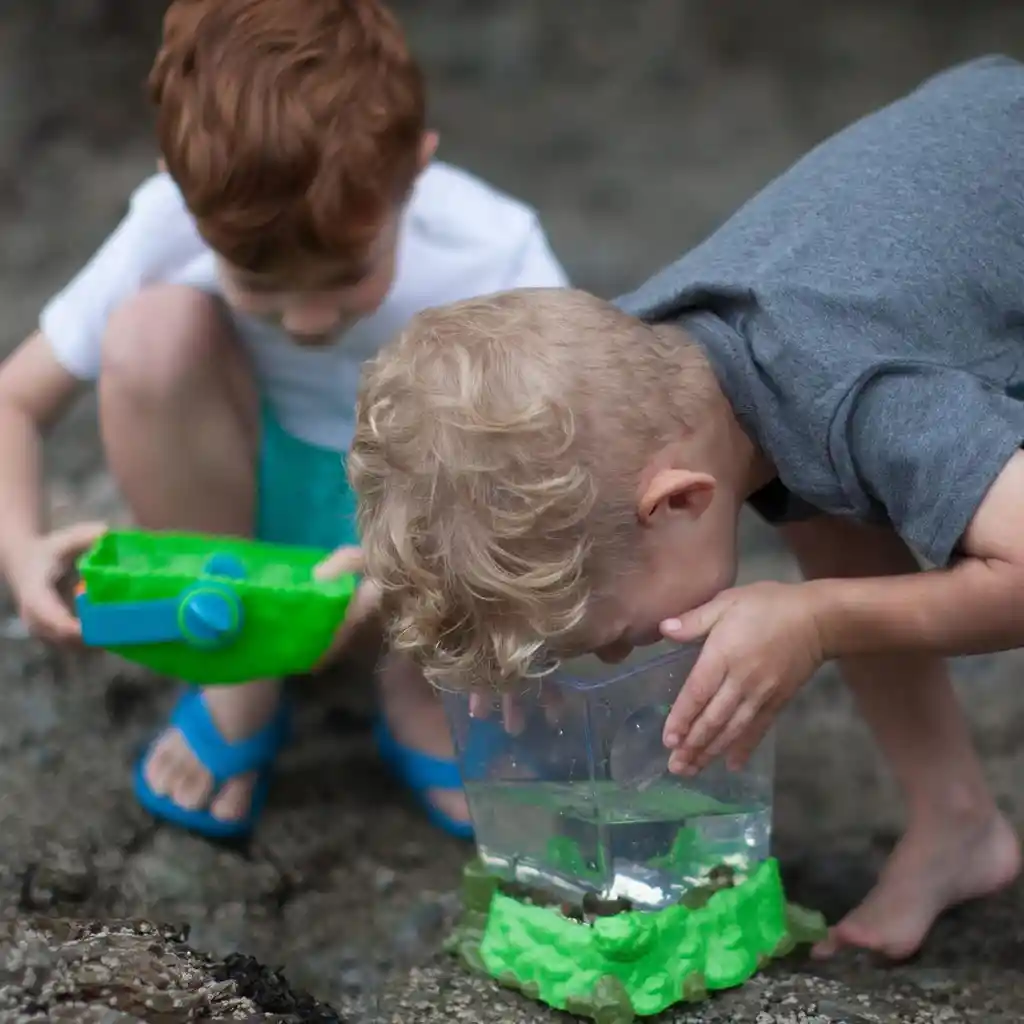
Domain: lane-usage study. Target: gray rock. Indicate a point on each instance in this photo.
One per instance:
(92, 972)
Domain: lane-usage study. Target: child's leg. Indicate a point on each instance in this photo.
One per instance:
(180, 425)
(957, 846)
(417, 721)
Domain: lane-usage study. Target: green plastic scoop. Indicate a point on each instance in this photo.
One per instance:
(209, 610)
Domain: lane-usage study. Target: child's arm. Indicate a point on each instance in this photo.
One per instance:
(766, 640)
(155, 243)
(34, 391)
(975, 606)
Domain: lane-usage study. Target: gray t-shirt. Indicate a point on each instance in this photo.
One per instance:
(865, 312)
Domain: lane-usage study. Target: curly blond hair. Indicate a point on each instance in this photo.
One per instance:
(497, 455)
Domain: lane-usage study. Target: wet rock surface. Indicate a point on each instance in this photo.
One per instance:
(119, 971)
(635, 128)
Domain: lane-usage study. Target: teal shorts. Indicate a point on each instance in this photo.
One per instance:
(304, 496)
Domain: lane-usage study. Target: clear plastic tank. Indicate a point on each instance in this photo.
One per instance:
(570, 793)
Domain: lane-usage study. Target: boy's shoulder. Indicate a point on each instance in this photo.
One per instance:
(451, 208)
(159, 194)
(162, 241)
(156, 243)
(158, 200)
(462, 237)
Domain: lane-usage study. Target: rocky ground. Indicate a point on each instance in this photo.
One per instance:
(635, 128)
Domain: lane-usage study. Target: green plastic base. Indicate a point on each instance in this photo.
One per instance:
(290, 618)
(633, 963)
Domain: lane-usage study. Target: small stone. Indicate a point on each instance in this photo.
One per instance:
(356, 979)
(63, 878)
(931, 979)
(384, 879)
(420, 929)
(841, 1010)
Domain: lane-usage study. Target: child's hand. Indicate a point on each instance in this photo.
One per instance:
(364, 604)
(514, 711)
(762, 645)
(34, 575)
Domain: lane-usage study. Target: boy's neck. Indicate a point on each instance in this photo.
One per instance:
(719, 442)
(747, 464)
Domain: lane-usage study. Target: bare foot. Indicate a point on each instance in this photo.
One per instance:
(933, 868)
(172, 769)
(417, 720)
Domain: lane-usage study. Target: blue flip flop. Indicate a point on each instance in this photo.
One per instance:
(422, 772)
(223, 760)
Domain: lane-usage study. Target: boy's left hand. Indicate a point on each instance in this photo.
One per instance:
(363, 606)
(762, 644)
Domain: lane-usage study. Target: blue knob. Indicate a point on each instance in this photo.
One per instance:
(222, 564)
(210, 617)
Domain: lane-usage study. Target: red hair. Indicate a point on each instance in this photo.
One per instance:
(292, 127)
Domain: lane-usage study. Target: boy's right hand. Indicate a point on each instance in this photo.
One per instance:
(34, 573)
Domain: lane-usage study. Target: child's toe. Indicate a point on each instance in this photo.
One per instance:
(451, 803)
(234, 799)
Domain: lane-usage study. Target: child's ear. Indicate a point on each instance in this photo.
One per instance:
(676, 492)
(428, 147)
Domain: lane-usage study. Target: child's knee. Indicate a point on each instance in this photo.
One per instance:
(159, 345)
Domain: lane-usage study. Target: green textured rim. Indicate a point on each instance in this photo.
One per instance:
(632, 964)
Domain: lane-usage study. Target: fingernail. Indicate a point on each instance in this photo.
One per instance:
(671, 740)
(672, 625)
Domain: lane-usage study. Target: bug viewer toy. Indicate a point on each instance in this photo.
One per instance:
(603, 884)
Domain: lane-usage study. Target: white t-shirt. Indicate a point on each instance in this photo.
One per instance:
(459, 238)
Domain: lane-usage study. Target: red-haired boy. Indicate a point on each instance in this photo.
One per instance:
(300, 220)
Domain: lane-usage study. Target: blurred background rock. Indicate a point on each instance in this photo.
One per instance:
(635, 126)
